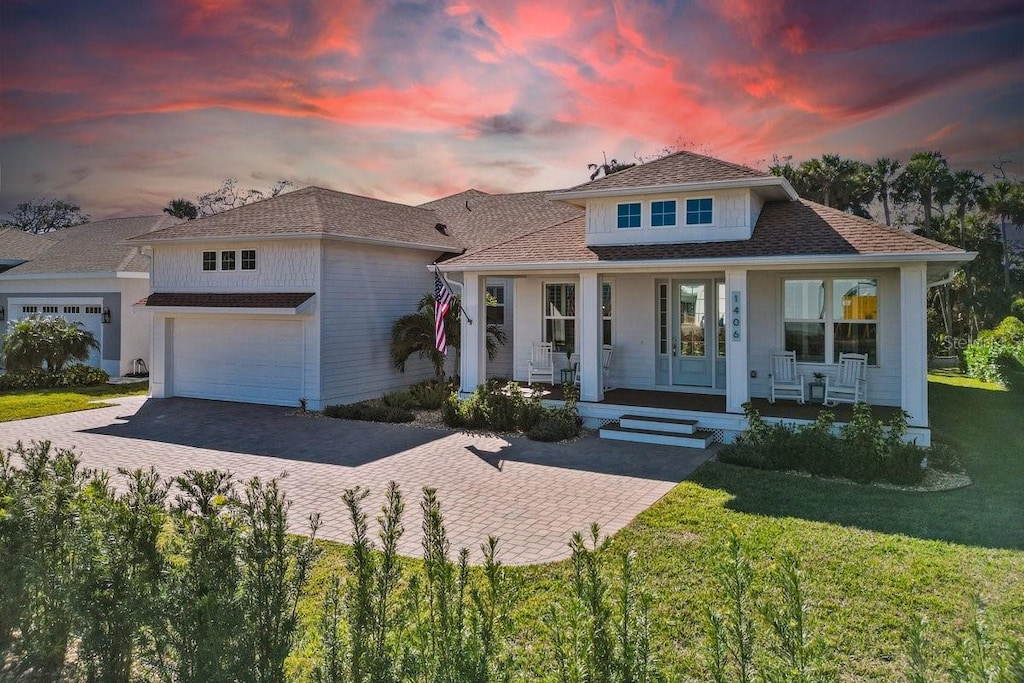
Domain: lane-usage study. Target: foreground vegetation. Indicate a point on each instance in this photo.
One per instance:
(735, 575)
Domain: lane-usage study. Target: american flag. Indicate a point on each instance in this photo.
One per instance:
(443, 298)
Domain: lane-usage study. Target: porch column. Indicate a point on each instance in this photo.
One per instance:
(161, 354)
(589, 337)
(913, 344)
(737, 387)
(473, 365)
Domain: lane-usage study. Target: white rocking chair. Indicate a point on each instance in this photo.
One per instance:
(606, 363)
(851, 385)
(783, 382)
(542, 366)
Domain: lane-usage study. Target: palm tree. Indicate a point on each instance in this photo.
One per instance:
(835, 182)
(925, 181)
(880, 177)
(965, 189)
(36, 340)
(1005, 199)
(182, 208)
(413, 334)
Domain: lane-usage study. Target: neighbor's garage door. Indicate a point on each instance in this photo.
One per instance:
(252, 361)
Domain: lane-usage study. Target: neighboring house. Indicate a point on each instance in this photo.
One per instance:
(693, 269)
(88, 274)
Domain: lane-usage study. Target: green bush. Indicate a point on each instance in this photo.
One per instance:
(904, 464)
(997, 355)
(1017, 308)
(73, 376)
(451, 411)
(368, 411)
(554, 429)
(398, 399)
(500, 407)
(430, 394)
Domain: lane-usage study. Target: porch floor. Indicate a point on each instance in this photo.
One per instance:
(712, 403)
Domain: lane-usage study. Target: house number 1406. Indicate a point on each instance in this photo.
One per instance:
(736, 314)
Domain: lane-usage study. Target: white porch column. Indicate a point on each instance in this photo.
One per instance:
(589, 337)
(473, 367)
(737, 387)
(914, 343)
(161, 354)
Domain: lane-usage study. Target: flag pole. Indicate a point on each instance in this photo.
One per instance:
(449, 286)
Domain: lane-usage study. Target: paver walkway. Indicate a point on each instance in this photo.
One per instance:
(531, 495)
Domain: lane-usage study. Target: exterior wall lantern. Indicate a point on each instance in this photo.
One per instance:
(106, 316)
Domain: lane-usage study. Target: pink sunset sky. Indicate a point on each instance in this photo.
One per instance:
(121, 106)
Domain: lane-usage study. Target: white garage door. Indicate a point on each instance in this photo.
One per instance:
(252, 361)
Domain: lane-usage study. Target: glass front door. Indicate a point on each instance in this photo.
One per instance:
(692, 314)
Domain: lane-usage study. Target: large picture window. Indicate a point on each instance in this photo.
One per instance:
(824, 317)
(560, 316)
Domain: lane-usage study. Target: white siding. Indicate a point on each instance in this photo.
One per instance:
(502, 365)
(135, 324)
(732, 220)
(756, 204)
(365, 289)
(281, 265)
(526, 328)
(633, 332)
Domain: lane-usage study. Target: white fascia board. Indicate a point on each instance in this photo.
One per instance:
(73, 276)
(294, 236)
(212, 310)
(772, 181)
(754, 263)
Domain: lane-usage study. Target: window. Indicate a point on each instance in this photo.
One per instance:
(663, 319)
(248, 259)
(29, 309)
(629, 215)
(663, 214)
(496, 305)
(209, 260)
(699, 211)
(72, 309)
(606, 313)
(227, 260)
(721, 327)
(51, 309)
(819, 332)
(560, 316)
(93, 310)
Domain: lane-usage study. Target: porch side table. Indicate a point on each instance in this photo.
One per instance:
(569, 376)
(816, 391)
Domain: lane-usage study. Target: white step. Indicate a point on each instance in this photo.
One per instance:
(700, 439)
(658, 424)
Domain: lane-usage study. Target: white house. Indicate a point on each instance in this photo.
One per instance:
(87, 274)
(694, 270)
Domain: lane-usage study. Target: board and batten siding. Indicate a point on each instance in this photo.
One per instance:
(365, 289)
(281, 266)
(732, 213)
(766, 332)
(503, 363)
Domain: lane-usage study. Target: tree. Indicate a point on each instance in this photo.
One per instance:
(44, 215)
(926, 181)
(880, 177)
(230, 196)
(1004, 199)
(607, 168)
(966, 187)
(35, 341)
(836, 182)
(413, 334)
(182, 208)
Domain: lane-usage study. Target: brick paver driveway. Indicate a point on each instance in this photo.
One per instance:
(531, 495)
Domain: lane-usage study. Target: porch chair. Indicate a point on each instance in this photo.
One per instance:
(783, 382)
(542, 366)
(606, 363)
(851, 384)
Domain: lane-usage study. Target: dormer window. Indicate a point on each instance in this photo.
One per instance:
(663, 214)
(699, 211)
(629, 215)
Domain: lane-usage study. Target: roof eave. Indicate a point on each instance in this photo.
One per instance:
(767, 181)
(85, 275)
(206, 239)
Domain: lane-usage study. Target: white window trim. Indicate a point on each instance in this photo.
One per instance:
(216, 260)
(639, 227)
(219, 262)
(544, 317)
(256, 259)
(501, 304)
(829, 320)
(650, 212)
(714, 212)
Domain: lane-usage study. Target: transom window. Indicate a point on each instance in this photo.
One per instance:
(629, 215)
(828, 316)
(227, 260)
(496, 304)
(560, 316)
(663, 213)
(248, 259)
(699, 211)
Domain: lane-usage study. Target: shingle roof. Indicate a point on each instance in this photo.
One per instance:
(314, 211)
(231, 300)
(674, 169)
(96, 247)
(478, 219)
(798, 228)
(21, 245)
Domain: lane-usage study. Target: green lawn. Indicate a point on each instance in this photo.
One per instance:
(872, 558)
(18, 405)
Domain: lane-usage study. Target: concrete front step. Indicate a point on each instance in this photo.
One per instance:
(700, 439)
(658, 424)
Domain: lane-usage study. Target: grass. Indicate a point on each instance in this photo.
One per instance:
(25, 403)
(872, 558)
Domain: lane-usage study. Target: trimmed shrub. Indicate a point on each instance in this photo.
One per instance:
(997, 355)
(556, 428)
(367, 411)
(430, 395)
(903, 464)
(74, 376)
(398, 399)
(451, 411)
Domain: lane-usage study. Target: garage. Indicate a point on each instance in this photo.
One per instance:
(252, 361)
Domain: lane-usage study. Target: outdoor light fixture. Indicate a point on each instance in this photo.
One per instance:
(106, 316)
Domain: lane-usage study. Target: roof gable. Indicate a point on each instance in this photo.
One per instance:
(674, 169)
